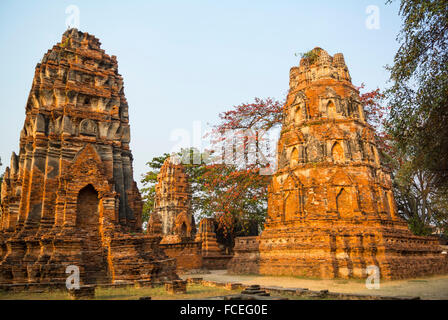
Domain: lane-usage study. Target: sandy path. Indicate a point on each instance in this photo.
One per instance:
(426, 288)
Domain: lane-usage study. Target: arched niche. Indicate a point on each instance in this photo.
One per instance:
(297, 115)
(294, 158)
(391, 204)
(344, 203)
(337, 153)
(291, 205)
(183, 230)
(331, 109)
(87, 204)
(291, 194)
(343, 195)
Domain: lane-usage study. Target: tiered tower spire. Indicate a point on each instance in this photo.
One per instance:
(331, 209)
(69, 196)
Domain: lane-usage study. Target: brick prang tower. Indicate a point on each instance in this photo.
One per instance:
(331, 208)
(69, 196)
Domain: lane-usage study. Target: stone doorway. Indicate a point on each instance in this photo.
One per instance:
(343, 203)
(93, 256)
(183, 230)
(87, 216)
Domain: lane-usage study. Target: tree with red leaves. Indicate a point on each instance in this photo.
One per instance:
(261, 114)
(377, 114)
(236, 183)
(237, 199)
(237, 192)
(419, 201)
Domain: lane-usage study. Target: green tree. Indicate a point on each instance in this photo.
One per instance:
(419, 201)
(149, 180)
(236, 198)
(418, 95)
(418, 121)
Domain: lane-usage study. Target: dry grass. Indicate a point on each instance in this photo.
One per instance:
(194, 291)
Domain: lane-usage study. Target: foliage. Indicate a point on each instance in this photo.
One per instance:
(311, 55)
(193, 171)
(419, 200)
(149, 180)
(418, 121)
(236, 198)
(418, 95)
(377, 114)
(237, 192)
(261, 114)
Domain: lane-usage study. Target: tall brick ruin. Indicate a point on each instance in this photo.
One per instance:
(69, 197)
(172, 203)
(331, 209)
(172, 218)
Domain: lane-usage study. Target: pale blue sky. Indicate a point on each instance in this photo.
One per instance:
(186, 61)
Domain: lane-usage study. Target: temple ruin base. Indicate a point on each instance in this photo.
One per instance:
(339, 251)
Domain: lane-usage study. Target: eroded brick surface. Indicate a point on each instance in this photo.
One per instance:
(172, 207)
(69, 197)
(172, 217)
(331, 210)
(212, 256)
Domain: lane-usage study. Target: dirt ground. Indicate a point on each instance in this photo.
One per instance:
(435, 287)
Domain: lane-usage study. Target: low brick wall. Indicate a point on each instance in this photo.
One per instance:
(32, 287)
(187, 254)
(82, 293)
(218, 262)
(176, 286)
(246, 258)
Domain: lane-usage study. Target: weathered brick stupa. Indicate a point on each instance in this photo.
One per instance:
(172, 203)
(69, 197)
(172, 217)
(331, 210)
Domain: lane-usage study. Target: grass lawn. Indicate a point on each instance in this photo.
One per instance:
(194, 291)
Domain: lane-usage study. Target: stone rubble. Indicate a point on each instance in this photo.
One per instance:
(176, 286)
